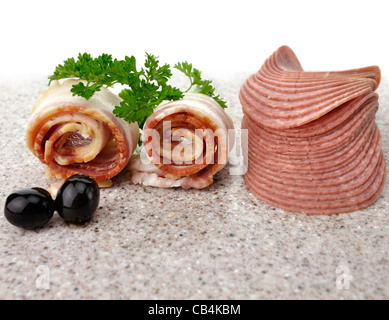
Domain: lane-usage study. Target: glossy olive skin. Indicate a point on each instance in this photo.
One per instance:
(77, 199)
(29, 208)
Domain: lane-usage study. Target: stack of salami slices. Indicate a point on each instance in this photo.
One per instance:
(313, 144)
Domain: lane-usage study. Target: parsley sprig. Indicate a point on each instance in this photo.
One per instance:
(144, 89)
(200, 86)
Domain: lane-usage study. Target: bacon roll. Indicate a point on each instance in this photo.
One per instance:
(73, 135)
(186, 142)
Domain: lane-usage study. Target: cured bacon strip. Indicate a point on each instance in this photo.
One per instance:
(313, 145)
(186, 143)
(74, 135)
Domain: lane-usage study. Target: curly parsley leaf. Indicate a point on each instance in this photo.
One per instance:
(95, 71)
(144, 89)
(149, 91)
(200, 85)
(86, 68)
(86, 91)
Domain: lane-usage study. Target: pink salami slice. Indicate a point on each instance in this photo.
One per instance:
(313, 144)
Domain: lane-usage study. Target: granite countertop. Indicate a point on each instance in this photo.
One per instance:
(217, 243)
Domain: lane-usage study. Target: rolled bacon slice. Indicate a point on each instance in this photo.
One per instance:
(313, 144)
(186, 142)
(73, 135)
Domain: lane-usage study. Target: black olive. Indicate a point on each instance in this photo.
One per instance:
(77, 199)
(29, 208)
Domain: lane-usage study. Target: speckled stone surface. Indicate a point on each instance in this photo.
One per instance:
(218, 243)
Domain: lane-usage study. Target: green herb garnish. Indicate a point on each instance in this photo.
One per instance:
(144, 89)
(200, 86)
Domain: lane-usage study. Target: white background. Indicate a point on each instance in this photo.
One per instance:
(216, 36)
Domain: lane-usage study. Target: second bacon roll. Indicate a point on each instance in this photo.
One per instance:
(186, 142)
